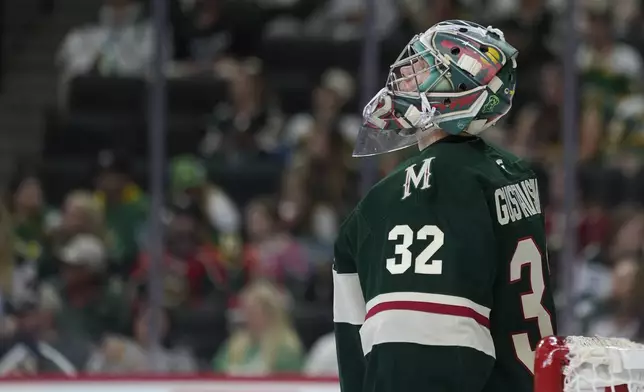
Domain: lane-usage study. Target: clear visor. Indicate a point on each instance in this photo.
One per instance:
(383, 130)
(372, 142)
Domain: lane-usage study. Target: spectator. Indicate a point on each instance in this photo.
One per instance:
(207, 31)
(202, 33)
(538, 123)
(330, 98)
(322, 360)
(610, 69)
(623, 173)
(81, 214)
(294, 202)
(627, 239)
(124, 208)
(323, 141)
(250, 122)
(34, 345)
(83, 300)
(120, 44)
(266, 343)
(190, 185)
(309, 217)
(193, 271)
(121, 355)
(309, 205)
(593, 228)
(32, 218)
(600, 51)
(330, 180)
(271, 252)
(622, 318)
(312, 222)
(32, 222)
(343, 19)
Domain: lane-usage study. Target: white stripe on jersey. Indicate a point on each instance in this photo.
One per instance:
(426, 319)
(348, 301)
(427, 329)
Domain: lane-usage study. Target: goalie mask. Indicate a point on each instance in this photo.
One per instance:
(457, 76)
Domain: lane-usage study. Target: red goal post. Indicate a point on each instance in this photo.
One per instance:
(588, 364)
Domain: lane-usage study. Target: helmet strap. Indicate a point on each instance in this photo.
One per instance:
(423, 118)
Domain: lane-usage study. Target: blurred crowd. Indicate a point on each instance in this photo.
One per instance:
(258, 183)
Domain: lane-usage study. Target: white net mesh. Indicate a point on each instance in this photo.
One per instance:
(603, 364)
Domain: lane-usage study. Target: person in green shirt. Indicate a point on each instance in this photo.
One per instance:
(84, 301)
(32, 222)
(267, 342)
(125, 207)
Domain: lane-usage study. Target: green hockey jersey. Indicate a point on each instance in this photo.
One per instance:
(441, 276)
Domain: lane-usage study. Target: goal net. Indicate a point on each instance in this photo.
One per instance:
(589, 364)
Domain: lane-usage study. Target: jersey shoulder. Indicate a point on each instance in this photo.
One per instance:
(353, 232)
(421, 177)
(511, 165)
(461, 172)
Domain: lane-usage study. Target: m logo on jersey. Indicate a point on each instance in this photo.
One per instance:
(420, 179)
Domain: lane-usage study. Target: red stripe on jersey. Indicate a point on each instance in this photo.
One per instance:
(430, 307)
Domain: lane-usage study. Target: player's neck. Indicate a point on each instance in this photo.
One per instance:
(428, 138)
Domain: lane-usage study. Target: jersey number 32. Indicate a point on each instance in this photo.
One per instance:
(527, 253)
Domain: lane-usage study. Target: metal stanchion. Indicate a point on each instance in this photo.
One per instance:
(157, 136)
(570, 159)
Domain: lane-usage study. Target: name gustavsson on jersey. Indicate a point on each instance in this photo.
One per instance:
(517, 201)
